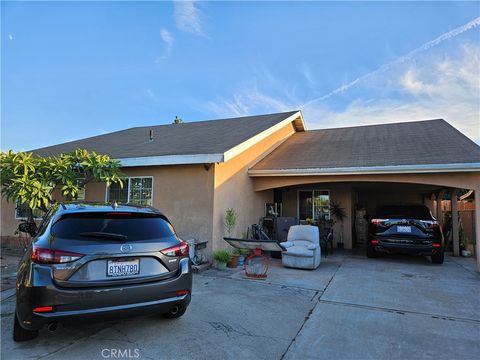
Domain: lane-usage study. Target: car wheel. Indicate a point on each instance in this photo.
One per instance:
(371, 253)
(438, 258)
(175, 311)
(21, 334)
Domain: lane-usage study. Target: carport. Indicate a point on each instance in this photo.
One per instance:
(406, 162)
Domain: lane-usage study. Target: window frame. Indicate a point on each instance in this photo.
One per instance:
(107, 188)
(313, 203)
(24, 217)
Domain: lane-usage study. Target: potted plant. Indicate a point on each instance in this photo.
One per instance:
(242, 254)
(339, 213)
(221, 257)
(233, 263)
(230, 221)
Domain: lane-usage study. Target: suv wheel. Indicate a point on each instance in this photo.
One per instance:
(371, 253)
(21, 334)
(175, 311)
(438, 258)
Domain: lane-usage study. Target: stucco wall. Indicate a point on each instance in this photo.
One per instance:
(184, 193)
(341, 193)
(235, 189)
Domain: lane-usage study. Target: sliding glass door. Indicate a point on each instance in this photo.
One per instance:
(314, 204)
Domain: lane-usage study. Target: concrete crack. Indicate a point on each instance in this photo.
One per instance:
(401, 312)
(311, 311)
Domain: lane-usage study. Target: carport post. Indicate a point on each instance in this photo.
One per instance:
(477, 226)
(456, 240)
(439, 207)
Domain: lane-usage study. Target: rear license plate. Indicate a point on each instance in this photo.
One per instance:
(404, 229)
(123, 267)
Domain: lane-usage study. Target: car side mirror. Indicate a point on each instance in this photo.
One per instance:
(29, 228)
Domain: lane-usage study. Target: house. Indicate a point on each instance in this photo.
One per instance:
(195, 171)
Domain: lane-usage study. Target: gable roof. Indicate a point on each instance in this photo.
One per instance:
(418, 146)
(185, 143)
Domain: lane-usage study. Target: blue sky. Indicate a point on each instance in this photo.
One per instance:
(77, 69)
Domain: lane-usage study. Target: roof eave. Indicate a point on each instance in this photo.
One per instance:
(366, 170)
(171, 160)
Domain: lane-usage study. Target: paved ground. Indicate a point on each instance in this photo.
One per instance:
(349, 308)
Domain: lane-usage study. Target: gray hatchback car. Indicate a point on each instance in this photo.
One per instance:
(96, 260)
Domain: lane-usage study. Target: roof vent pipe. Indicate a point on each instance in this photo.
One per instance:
(151, 135)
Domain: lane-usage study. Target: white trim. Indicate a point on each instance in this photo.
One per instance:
(393, 169)
(128, 189)
(213, 158)
(231, 153)
(171, 160)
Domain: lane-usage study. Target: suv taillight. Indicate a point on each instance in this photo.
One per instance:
(49, 256)
(377, 221)
(177, 250)
(430, 224)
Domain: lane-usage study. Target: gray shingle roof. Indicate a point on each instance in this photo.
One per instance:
(409, 143)
(189, 138)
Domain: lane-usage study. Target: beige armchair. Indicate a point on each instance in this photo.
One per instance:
(302, 247)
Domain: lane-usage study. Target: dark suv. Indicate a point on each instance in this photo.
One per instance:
(91, 260)
(405, 228)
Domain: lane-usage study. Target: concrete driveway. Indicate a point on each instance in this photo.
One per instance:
(350, 308)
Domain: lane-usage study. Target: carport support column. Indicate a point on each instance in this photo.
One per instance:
(456, 239)
(477, 226)
(439, 207)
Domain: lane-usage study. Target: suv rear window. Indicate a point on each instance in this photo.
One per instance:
(133, 226)
(419, 212)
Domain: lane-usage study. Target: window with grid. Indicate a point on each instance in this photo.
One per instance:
(314, 204)
(136, 190)
(21, 211)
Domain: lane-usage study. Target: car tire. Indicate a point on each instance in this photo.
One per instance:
(175, 311)
(371, 253)
(21, 334)
(438, 258)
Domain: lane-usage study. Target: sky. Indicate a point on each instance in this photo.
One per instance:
(71, 70)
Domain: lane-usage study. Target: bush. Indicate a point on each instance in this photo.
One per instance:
(222, 256)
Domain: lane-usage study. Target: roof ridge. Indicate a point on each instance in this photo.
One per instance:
(211, 120)
(385, 124)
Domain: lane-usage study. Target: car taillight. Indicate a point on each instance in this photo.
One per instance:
(43, 309)
(436, 245)
(375, 242)
(177, 250)
(377, 221)
(50, 256)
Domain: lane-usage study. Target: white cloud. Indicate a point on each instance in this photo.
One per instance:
(169, 40)
(188, 17)
(402, 59)
(10, 37)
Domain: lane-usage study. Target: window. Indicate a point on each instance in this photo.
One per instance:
(136, 190)
(314, 204)
(21, 211)
(135, 226)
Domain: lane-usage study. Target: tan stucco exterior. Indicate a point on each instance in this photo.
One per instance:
(235, 189)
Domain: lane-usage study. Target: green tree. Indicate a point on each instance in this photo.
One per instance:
(31, 179)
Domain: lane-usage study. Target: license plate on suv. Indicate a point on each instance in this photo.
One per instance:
(117, 268)
(404, 229)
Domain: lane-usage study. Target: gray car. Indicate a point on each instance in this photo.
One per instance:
(96, 260)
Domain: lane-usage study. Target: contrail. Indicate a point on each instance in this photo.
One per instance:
(448, 35)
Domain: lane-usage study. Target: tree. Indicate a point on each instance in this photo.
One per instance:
(31, 179)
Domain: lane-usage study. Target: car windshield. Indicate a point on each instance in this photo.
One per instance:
(404, 212)
(112, 226)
